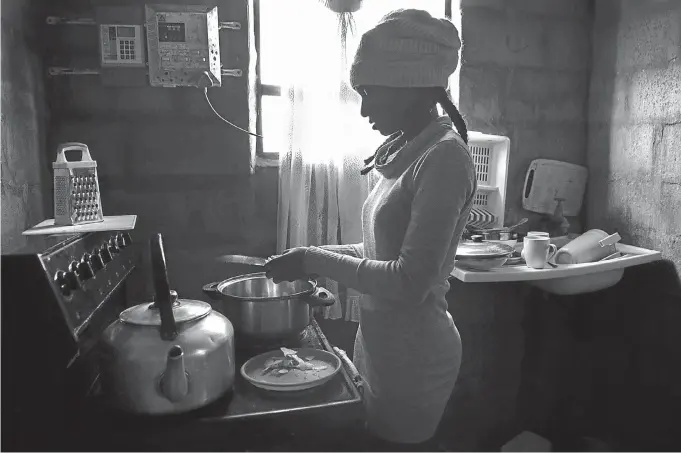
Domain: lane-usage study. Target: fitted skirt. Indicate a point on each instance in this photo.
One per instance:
(410, 360)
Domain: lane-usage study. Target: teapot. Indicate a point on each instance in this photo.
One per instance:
(168, 356)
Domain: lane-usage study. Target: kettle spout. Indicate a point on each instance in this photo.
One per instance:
(174, 383)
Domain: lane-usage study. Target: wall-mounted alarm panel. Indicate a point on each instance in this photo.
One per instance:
(121, 45)
(183, 44)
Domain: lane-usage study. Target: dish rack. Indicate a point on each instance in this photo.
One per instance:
(490, 155)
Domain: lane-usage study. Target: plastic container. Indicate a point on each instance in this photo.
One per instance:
(592, 246)
(490, 155)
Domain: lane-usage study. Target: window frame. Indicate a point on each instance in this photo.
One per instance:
(267, 158)
(260, 89)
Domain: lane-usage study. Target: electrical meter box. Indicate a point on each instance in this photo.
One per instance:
(121, 45)
(183, 45)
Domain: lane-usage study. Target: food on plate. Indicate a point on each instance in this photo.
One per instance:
(290, 361)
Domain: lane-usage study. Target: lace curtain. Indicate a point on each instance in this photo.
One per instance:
(320, 135)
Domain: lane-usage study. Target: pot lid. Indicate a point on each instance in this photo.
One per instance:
(477, 248)
(147, 314)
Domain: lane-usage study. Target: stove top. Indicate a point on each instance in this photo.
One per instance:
(246, 401)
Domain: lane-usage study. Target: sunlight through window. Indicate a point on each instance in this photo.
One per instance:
(301, 52)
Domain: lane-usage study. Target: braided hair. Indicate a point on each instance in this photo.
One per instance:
(442, 98)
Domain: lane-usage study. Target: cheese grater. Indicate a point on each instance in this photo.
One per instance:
(76, 187)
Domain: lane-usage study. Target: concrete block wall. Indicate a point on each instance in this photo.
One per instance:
(25, 180)
(635, 124)
(165, 156)
(634, 158)
(524, 74)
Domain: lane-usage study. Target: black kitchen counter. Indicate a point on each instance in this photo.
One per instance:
(245, 419)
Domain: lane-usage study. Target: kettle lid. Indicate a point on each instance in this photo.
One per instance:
(148, 314)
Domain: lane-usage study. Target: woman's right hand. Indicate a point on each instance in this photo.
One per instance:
(289, 266)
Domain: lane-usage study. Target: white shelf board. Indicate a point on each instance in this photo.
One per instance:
(110, 223)
(634, 256)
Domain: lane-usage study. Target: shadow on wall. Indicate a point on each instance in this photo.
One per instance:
(601, 102)
(629, 342)
(635, 124)
(26, 174)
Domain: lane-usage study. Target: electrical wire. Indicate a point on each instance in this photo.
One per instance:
(205, 93)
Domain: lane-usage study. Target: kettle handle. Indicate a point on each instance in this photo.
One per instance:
(162, 288)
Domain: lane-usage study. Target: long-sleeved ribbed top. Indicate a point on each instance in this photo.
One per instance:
(407, 347)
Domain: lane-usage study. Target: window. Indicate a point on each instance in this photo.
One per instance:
(277, 19)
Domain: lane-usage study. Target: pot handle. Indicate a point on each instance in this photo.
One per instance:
(212, 290)
(321, 298)
(162, 288)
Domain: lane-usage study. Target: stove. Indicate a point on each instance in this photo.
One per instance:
(246, 401)
(58, 295)
(245, 419)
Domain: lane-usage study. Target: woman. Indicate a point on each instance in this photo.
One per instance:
(407, 346)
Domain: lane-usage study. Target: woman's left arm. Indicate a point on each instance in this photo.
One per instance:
(442, 184)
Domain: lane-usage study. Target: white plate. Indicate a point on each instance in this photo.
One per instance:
(294, 380)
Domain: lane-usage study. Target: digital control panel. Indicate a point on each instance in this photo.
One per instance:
(184, 45)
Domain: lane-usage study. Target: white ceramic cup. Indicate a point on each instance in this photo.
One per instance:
(537, 251)
(537, 234)
(530, 234)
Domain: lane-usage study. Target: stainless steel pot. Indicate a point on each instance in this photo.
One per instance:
(482, 256)
(170, 356)
(263, 310)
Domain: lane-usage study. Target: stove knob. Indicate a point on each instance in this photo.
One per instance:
(105, 254)
(113, 247)
(96, 261)
(60, 280)
(71, 277)
(85, 267)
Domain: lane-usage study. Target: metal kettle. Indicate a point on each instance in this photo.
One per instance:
(168, 356)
